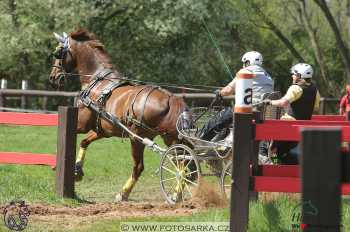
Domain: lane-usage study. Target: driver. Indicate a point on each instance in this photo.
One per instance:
(301, 100)
(262, 83)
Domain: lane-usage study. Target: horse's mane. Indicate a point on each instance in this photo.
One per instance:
(81, 34)
(89, 38)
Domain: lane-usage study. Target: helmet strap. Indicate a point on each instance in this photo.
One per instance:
(301, 82)
(246, 63)
(298, 78)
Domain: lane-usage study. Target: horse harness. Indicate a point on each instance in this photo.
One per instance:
(100, 102)
(130, 114)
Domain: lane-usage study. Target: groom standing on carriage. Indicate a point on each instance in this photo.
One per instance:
(262, 83)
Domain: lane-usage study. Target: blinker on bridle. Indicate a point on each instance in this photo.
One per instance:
(60, 53)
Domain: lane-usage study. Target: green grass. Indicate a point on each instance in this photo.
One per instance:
(108, 166)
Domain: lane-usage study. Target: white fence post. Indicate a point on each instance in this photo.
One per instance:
(24, 98)
(3, 83)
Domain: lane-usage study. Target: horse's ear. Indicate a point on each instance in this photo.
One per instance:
(58, 37)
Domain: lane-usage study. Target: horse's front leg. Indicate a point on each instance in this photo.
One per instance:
(137, 150)
(79, 163)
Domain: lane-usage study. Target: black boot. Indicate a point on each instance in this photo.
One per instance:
(220, 121)
(221, 135)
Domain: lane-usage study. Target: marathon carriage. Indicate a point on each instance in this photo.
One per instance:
(182, 166)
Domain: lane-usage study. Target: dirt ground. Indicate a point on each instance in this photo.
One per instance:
(115, 210)
(53, 216)
(70, 216)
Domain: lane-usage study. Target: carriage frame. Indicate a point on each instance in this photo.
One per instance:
(183, 165)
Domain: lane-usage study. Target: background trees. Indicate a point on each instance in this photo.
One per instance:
(167, 41)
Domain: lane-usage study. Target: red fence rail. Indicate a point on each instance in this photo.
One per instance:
(328, 117)
(27, 158)
(66, 121)
(28, 119)
(280, 178)
(292, 178)
(289, 130)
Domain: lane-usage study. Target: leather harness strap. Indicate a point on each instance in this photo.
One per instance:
(103, 97)
(130, 114)
(151, 89)
(105, 94)
(98, 76)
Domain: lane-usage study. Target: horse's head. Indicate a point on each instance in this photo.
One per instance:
(64, 62)
(78, 54)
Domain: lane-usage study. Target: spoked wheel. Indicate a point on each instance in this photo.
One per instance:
(179, 173)
(226, 180)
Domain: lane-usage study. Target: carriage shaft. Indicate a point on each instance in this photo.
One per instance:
(116, 122)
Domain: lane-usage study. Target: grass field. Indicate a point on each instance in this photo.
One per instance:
(107, 167)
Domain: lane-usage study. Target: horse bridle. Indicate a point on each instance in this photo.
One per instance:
(60, 54)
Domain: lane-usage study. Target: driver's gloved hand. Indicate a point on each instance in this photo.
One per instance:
(267, 102)
(218, 94)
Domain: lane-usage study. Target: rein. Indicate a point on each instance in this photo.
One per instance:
(160, 84)
(63, 50)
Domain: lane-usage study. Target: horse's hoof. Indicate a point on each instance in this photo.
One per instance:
(78, 178)
(78, 173)
(121, 197)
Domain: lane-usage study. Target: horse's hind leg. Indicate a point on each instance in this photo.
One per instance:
(137, 149)
(79, 163)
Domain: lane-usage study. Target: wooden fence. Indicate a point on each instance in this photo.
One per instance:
(322, 176)
(25, 94)
(192, 99)
(64, 161)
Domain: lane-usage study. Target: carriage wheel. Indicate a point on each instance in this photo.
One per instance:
(179, 173)
(226, 180)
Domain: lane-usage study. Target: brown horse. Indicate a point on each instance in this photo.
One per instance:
(147, 110)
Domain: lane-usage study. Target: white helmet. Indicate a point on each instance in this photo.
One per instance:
(254, 58)
(304, 70)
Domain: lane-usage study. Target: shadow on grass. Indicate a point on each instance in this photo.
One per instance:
(346, 200)
(82, 201)
(273, 217)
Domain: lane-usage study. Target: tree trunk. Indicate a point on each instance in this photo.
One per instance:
(284, 40)
(348, 17)
(315, 45)
(343, 50)
(277, 32)
(12, 6)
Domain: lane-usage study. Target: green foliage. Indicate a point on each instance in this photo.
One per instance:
(166, 41)
(26, 36)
